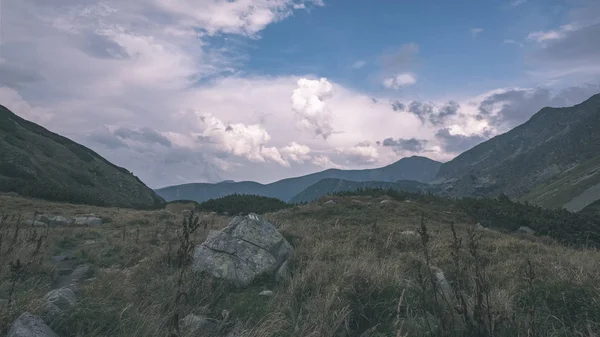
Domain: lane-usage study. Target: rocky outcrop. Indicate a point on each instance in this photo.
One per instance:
(88, 221)
(28, 325)
(247, 248)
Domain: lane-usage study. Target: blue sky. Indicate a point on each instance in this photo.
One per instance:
(205, 90)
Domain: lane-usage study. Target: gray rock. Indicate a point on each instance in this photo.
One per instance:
(59, 301)
(266, 293)
(329, 202)
(89, 242)
(283, 274)
(35, 223)
(54, 220)
(247, 248)
(526, 230)
(409, 233)
(444, 287)
(59, 258)
(28, 325)
(194, 325)
(88, 221)
(385, 201)
(80, 273)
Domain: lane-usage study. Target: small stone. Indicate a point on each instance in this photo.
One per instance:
(81, 272)
(409, 233)
(266, 293)
(329, 202)
(89, 242)
(526, 230)
(385, 201)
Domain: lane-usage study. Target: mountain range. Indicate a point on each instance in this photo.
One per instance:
(419, 169)
(38, 163)
(552, 160)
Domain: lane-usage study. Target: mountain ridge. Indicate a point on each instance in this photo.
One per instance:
(37, 162)
(420, 169)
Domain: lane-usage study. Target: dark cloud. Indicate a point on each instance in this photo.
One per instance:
(398, 106)
(145, 135)
(400, 144)
(108, 140)
(364, 144)
(400, 60)
(421, 110)
(15, 76)
(518, 105)
(459, 143)
(580, 47)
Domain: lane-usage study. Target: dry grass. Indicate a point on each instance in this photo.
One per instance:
(354, 274)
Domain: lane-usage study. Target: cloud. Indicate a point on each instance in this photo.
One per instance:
(398, 106)
(358, 64)
(401, 60)
(542, 36)
(247, 141)
(400, 145)
(517, 3)
(144, 135)
(476, 31)
(308, 103)
(399, 81)
(296, 152)
(324, 162)
(457, 143)
(362, 153)
(509, 41)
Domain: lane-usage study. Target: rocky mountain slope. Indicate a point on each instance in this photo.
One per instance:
(38, 163)
(331, 186)
(414, 168)
(550, 143)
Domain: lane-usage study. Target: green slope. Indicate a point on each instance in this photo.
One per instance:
(38, 163)
(574, 189)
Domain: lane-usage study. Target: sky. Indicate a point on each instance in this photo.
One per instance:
(181, 91)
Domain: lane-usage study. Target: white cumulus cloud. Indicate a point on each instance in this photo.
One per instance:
(308, 102)
(296, 152)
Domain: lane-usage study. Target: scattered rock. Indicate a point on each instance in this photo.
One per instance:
(59, 258)
(28, 325)
(59, 301)
(329, 202)
(35, 223)
(387, 201)
(89, 242)
(88, 221)
(407, 200)
(442, 283)
(266, 293)
(195, 325)
(54, 220)
(409, 233)
(526, 230)
(80, 273)
(283, 274)
(247, 248)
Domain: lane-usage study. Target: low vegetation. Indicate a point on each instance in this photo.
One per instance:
(415, 265)
(242, 204)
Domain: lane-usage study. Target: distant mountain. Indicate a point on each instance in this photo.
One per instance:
(415, 168)
(330, 186)
(552, 143)
(38, 163)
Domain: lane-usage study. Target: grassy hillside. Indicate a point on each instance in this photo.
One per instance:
(360, 268)
(332, 186)
(414, 168)
(550, 143)
(574, 189)
(38, 163)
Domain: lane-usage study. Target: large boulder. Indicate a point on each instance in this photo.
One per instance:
(247, 248)
(28, 325)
